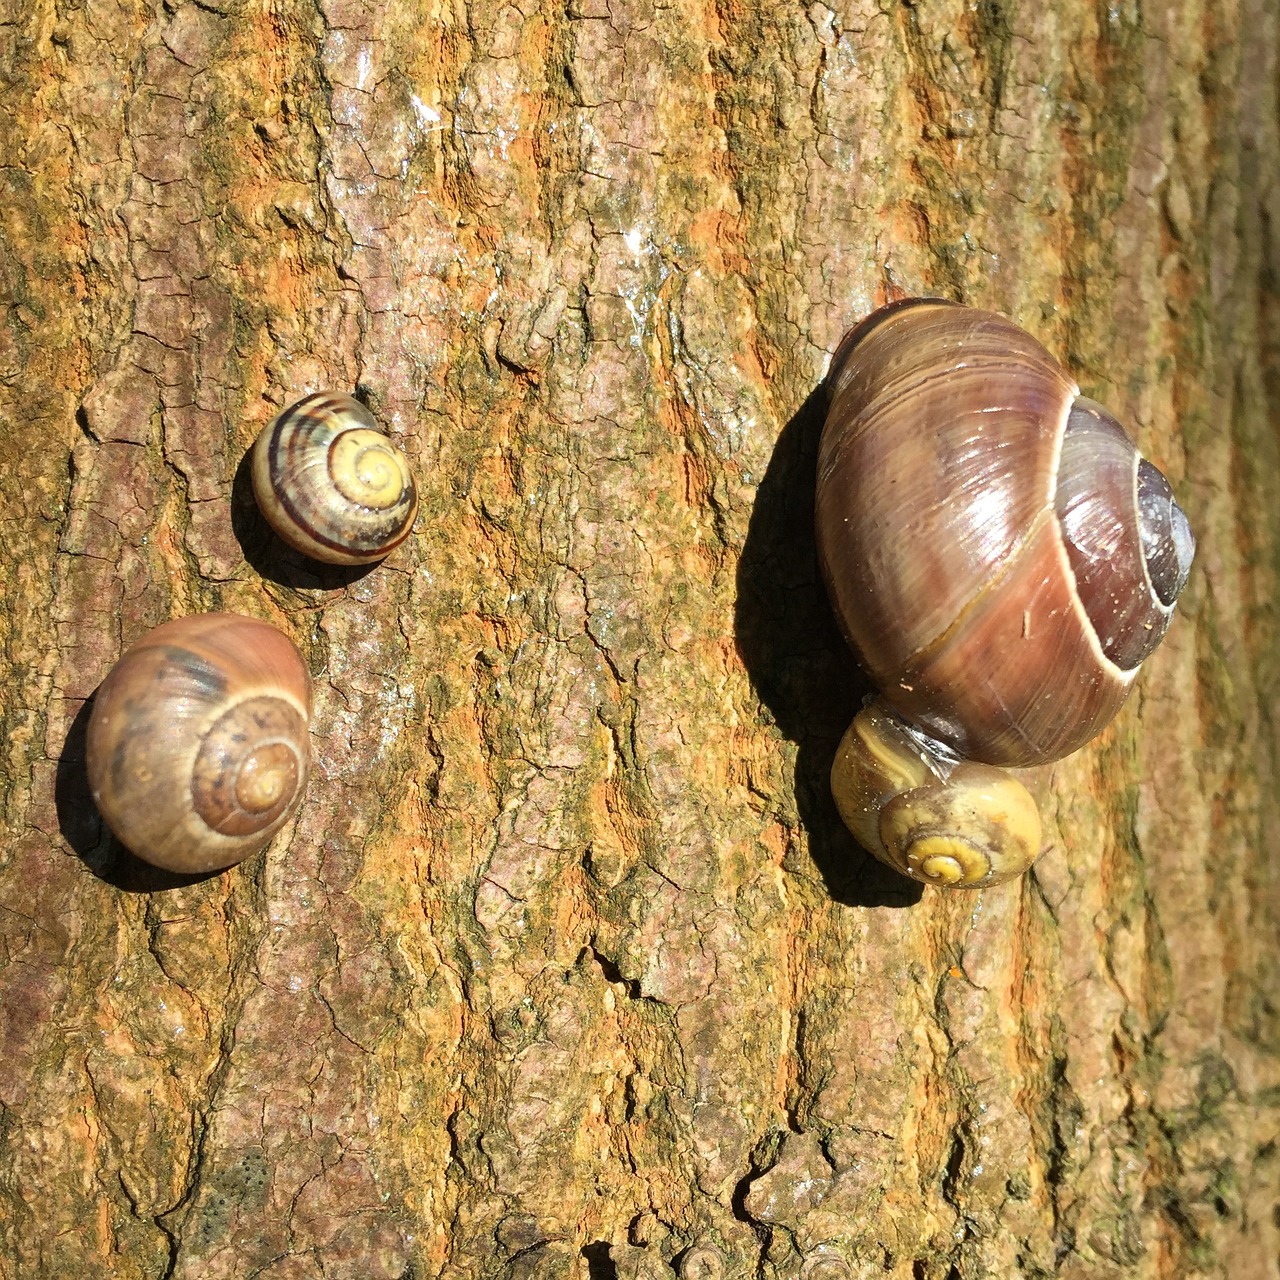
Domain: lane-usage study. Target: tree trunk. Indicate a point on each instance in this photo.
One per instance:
(567, 967)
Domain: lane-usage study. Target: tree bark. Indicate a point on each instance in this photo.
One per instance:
(567, 967)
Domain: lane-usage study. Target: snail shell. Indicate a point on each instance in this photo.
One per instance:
(925, 812)
(198, 747)
(998, 554)
(330, 483)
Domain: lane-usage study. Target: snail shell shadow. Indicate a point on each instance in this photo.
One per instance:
(85, 832)
(798, 662)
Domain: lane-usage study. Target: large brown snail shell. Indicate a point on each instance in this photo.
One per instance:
(198, 747)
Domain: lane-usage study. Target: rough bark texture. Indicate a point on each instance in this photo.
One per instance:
(566, 967)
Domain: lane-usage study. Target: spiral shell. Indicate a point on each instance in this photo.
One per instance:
(198, 746)
(944, 821)
(331, 484)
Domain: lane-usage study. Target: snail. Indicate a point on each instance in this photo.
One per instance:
(330, 483)
(1001, 560)
(197, 745)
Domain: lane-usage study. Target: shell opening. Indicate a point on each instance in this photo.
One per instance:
(1127, 541)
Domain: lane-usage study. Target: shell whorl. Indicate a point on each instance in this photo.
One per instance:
(331, 484)
(248, 766)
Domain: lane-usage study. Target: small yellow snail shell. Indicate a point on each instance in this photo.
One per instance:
(927, 814)
(198, 747)
(330, 483)
(1000, 558)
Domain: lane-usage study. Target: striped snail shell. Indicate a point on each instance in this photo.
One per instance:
(198, 746)
(1000, 558)
(330, 483)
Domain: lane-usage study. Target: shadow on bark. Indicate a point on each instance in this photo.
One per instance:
(600, 1266)
(273, 559)
(798, 661)
(83, 829)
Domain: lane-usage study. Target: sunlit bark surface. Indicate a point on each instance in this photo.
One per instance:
(566, 967)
